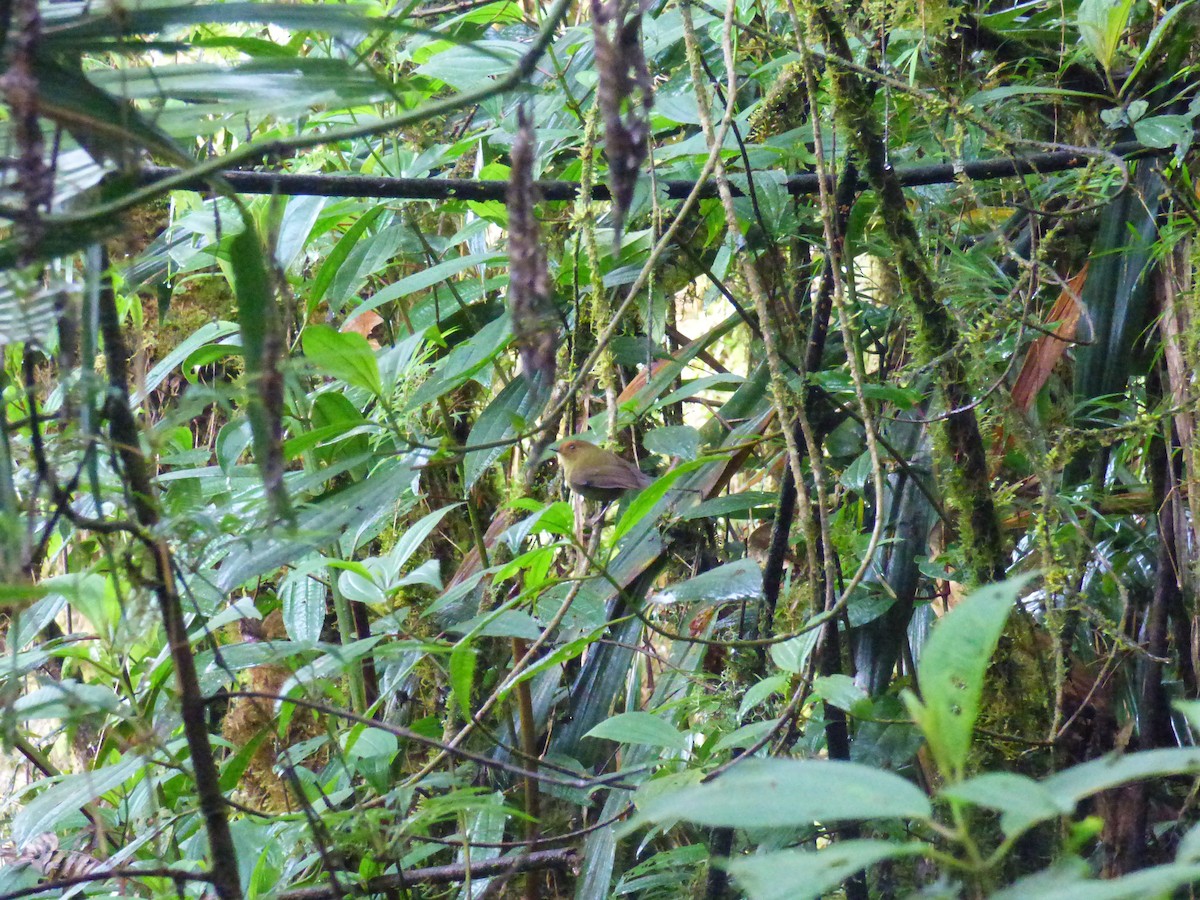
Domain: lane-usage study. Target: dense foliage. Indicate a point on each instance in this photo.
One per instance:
(894, 304)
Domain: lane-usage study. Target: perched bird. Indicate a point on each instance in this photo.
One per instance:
(758, 545)
(596, 473)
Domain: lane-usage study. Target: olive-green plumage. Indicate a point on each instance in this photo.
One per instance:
(596, 473)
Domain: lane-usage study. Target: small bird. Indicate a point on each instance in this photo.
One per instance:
(758, 545)
(596, 473)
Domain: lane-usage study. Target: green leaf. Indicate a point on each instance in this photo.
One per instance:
(1069, 881)
(785, 793)
(415, 535)
(746, 736)
(805, 875)
(649, 497)
(699, 385)
(1164, 131)
(681, 441)
(66, 699)
(732, 582)
(333, 262)
(734, 506)
(1149, 52)
(951, 671)
(510, 623)
(69, 795)
(371, 743)
(462, 674)
(640, 728)
(344, 355)
(1021, 800)
(303, 606)
(89, 595)
(842, 692)
(208, 333)
(508, 412)
(427, 278)
(341, 512)
(993, 95)
(1102, 25)
(792, 655)
(465, 361)
(1078, 782)
(776, 684)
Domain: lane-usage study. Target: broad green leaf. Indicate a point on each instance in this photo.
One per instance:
(1021, 800)
(465, 361)
(1102, 25)
(739, 581)
(1070, 881)
(337, 513)
(69, 796)
(776, 684)
(344, 355)
(808, 875)
(90, 596)
(746, 736)
(371, 743)
(303, 599)
(681, 441)
(784, 793)
(792, 655)
(509, 623)
(427, 278)
(951, 671)
(1164, 131)
(415, 535)
(208, 333)
(734, 506)
(1074, 784)
(297, 221)
(842, 692)
(67, 700)
(640, 728)
(498, 423)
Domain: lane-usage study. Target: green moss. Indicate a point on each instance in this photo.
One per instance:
(784, 108)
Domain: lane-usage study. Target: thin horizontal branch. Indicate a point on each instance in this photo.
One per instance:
(451, 874)
(292, 185)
